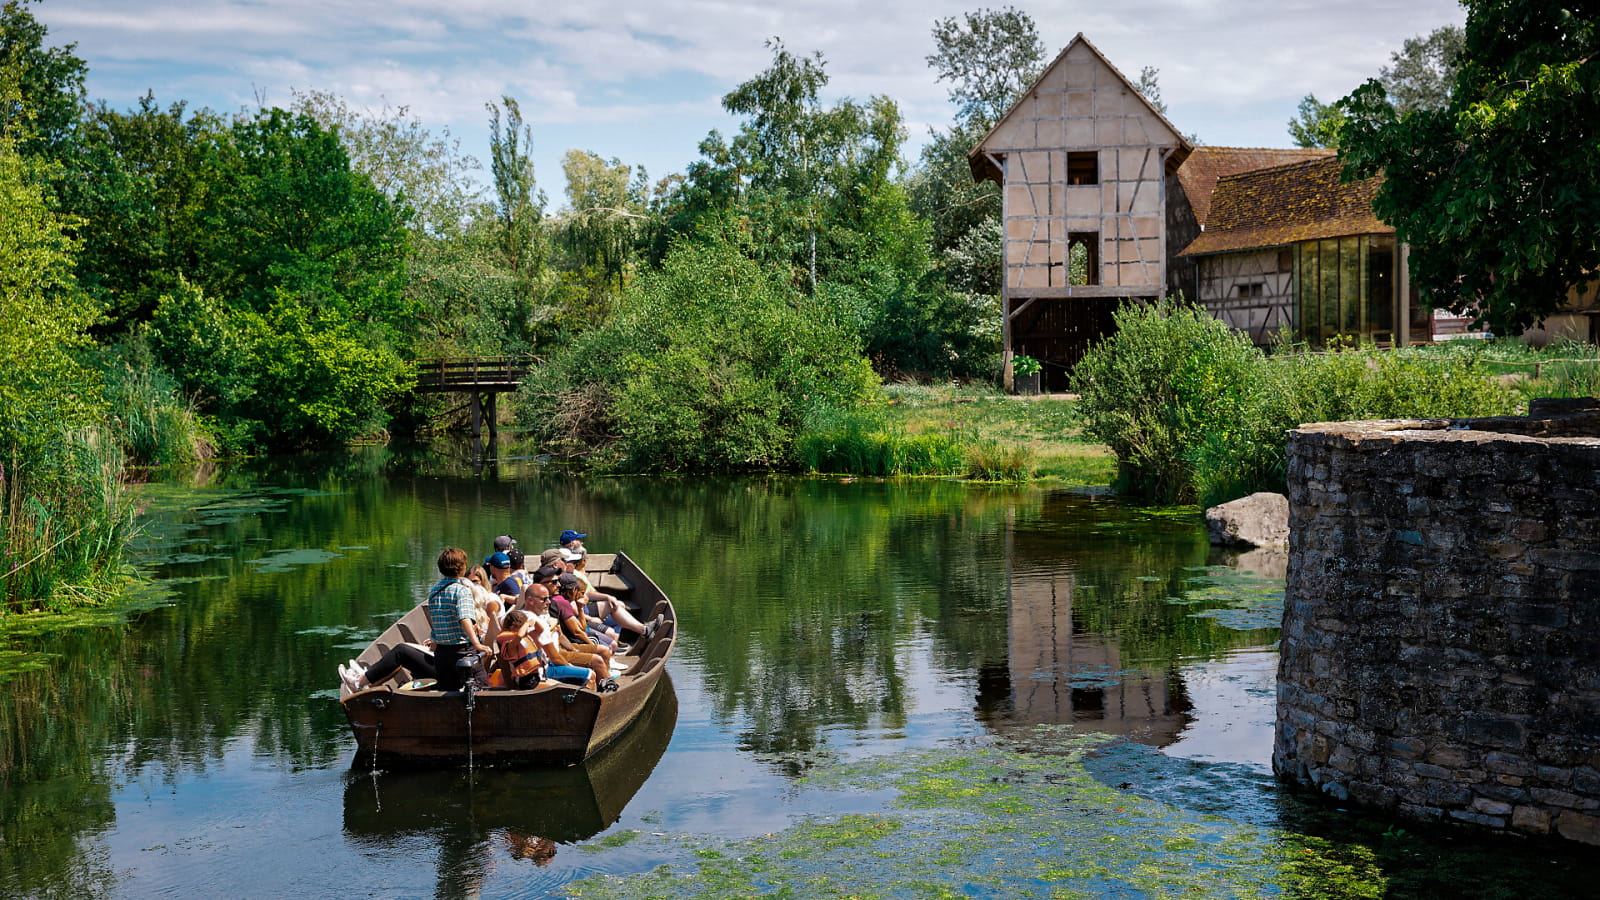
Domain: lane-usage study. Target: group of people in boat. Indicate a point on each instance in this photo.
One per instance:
(503, 626)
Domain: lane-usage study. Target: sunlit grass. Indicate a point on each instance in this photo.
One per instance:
(1010, 438)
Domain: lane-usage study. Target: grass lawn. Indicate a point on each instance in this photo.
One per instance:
(1046, 427)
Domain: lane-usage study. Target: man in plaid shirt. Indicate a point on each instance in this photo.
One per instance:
(453, 618)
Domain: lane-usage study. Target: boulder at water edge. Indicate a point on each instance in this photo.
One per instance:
(1260, 520)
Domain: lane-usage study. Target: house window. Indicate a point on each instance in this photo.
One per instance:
(1083, 167)
(1083, 257)
(1344, 287)
(1253, 289)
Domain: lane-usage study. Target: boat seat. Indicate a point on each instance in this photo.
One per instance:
(611, 583)
(658, 647)
(406, 634)
(647, 668)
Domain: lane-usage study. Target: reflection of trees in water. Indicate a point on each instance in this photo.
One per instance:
(55, 798)
(795, 596)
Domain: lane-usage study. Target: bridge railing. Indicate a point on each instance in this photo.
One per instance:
(492, 373)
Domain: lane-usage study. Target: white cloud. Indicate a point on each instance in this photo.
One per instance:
(645, 77)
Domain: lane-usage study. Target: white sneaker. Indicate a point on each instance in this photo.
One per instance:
(351, 679)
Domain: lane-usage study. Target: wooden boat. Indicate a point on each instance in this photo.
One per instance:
(565, 805)
(553, 724)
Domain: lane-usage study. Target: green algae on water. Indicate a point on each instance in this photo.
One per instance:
(996, 820)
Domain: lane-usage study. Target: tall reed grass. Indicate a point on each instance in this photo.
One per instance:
(864, 443)
(64, 520)
(994, 461)
(155, 423)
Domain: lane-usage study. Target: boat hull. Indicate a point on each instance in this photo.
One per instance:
(555, 724)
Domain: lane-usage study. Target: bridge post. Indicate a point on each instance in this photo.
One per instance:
(475, 414)
(494, 426)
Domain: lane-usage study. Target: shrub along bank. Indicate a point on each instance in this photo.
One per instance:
(712, 363)
(716, 363)
(1195, 413)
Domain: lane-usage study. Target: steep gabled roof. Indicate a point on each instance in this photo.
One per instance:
(1285, 205)
(1199, 173)
(982, 167)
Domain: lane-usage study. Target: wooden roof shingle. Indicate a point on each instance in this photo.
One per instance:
(1286, 205)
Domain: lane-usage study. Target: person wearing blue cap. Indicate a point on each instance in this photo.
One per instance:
(501, 568)
(570, 537)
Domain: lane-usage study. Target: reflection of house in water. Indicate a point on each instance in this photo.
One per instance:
(1055, 673)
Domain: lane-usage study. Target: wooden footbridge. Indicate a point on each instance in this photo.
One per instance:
(481, 378)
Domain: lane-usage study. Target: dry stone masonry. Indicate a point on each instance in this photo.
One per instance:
(1441, 636)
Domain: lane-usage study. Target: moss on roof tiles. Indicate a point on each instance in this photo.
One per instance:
(1201, 171)
(1286, 205)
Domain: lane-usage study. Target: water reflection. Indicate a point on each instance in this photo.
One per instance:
(1093, 636)
(476, 820)
(817, 619)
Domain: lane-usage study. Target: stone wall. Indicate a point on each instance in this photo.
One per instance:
(1441, 634)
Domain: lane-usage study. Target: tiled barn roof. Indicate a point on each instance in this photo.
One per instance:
(1199, 173)
(1285, 205)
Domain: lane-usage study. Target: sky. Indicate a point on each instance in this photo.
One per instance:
(643, 82)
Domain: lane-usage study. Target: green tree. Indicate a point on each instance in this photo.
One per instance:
(519, 207)
(41, 87)
(139, 180)
(710, 363)
(606, 209)
(44, 317)
(805, 163)
(413, 167)
(1421, 72)
(989, 57)
(289, 215)
(1316, 124)
(1498, 191)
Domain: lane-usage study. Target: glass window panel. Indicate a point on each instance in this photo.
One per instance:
(1380, 287)
(1350, 284)
(1329, 253)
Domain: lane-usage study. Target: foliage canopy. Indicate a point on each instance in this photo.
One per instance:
(1497, 192)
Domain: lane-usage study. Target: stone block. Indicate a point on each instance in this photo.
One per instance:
(1461, 815)
(1506, 764)
(1451, 757)
(1421, 812)
(1564, 799)
(1580, 827)
(1531, 820)
(1586, 781)
(1491, 807)
(1406, 747)
(1444, 794)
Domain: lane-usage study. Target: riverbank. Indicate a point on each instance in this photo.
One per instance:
(1046, 428)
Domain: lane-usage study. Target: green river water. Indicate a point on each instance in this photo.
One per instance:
(914, 688)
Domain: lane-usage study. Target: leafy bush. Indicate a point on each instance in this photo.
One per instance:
(292, 377)
(1168, 379)
(62, 511)
(709, 364)
(1195, 413)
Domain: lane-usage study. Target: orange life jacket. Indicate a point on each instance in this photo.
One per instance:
(515, 656)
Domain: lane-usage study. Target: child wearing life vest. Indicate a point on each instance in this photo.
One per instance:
(522, 665)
